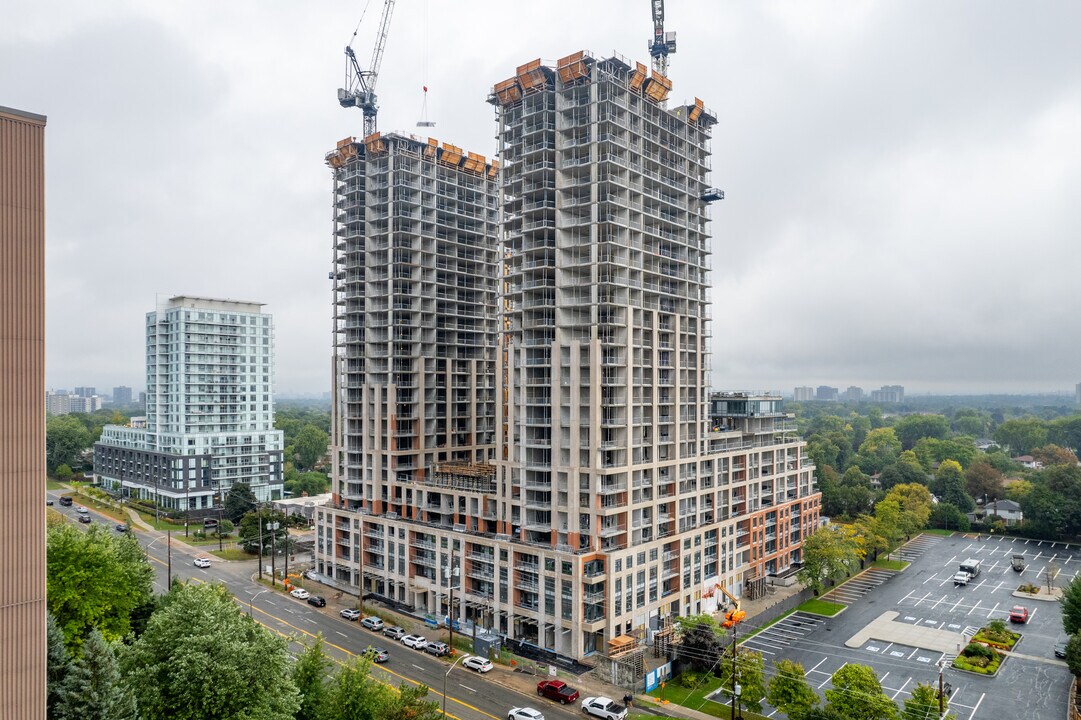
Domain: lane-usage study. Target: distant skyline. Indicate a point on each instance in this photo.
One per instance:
(900, 178)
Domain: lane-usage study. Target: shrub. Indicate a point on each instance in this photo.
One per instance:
(1029, 588)
(976, 650)
(689, 679)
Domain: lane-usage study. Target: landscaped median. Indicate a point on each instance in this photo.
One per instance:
(984, 654)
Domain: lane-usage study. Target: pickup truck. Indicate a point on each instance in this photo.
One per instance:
(604, 708)
(557, 690)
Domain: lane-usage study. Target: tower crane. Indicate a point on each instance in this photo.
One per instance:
(663, 44)
(359, 90)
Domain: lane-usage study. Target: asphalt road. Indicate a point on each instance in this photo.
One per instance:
(470, 695)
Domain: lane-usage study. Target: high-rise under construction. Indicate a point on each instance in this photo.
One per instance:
(540, 452)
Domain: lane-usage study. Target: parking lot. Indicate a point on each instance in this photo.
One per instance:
(922, 602)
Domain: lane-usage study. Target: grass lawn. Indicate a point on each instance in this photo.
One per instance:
(821, 607)
(937, 531)
(232, 554)
(51, 484)
(885, 564)
(695, 698)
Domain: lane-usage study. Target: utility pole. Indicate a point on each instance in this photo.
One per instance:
(170, 565)
(941, 698)
(735, 684)
(451, 572)
(273, 528)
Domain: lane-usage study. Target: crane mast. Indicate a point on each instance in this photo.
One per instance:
(663, 44)
(359, 90)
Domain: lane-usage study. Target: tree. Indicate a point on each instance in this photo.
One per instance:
(857, 695)
(201, 657)
(1051, 455)
(1066, 432)
(1021, 434)
(949, 486)
(95, 690)
(310, 445)
(95, 579)
(64, 473)
(931, 451)
(879, 449)
(914, 502)
(409, 704)
(923, 704)
(888, 521)
(983, 479)
(57, 665)
(968, 421)
(354, 695)
(239, 502)
(1073, 655)
(913, 427)
(948, 517)
(749, 674)
(830, 551)
(701, 641)
(65, 439)
(309, 675)
(253, 530)
(789, 690)
(1071, 606)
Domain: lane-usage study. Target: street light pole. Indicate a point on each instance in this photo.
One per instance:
(445, 675)
(169, 586)
(452, 573)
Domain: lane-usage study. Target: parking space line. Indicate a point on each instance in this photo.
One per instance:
(830, 676)
(815, 667)
(902, 688)
(993, 610)
(977, 706)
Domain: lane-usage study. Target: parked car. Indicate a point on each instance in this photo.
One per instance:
(394, 632)
(476, 662)
(604, 707)
(317, 601)
(85, 519)
(65, 501)
(372, 623)
(300, 593)
(202, 562)
(1060, 646)
(557, 690)
(350, 614)
(526, 713)
(1019, 614)
(48, 501)
(439, 649)
(417, 642)
(377, 654)
(121, 527)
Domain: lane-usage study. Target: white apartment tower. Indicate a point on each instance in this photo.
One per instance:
(209, 409)
(614, 500)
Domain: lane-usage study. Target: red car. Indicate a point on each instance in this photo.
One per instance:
(1019, 614)
(557, 690)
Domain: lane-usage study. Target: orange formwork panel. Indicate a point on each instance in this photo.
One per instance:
(493, 169)
(658, 87)
(346, 141)
(696, 110)
(335, 159)
(474, 163)
(638, 76)
(452, 155)
(374, 143)
(508, 92)
(531, 76)
(431, 148)
(572, 68)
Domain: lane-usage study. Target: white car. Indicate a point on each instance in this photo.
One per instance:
(81, 510)
(604, 707)
(417, 642)
(476, 662)
(300, 594)
(202, 562)
(526, 713)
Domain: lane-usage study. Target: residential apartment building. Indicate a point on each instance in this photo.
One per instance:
(614, 500)
(22, 415)
(804, 393)
(826, 393)
(121, 395)
(853, 394)
(64, 403)
(888, 394)
(209, 410)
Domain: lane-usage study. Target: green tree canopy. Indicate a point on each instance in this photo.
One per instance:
(58, 664)
(857, 695)
(931, 451)
(65, 440)
(1051, 455)
(95, 579)
(94, 689)
(1066, 432)
(879, 449)
(310, 445)
(949, 486)
(923, 704)
(948, 517)
(749, 673)
(830, 551)
(911, 428)
(239, 502)
(914, 502)
(201, 657)
(789, 690)
(309, 675)
(1022, 434)
(1071, 606)
(701, 641)
(983, 479)
(254, 534)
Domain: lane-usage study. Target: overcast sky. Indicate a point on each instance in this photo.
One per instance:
(902, 178)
